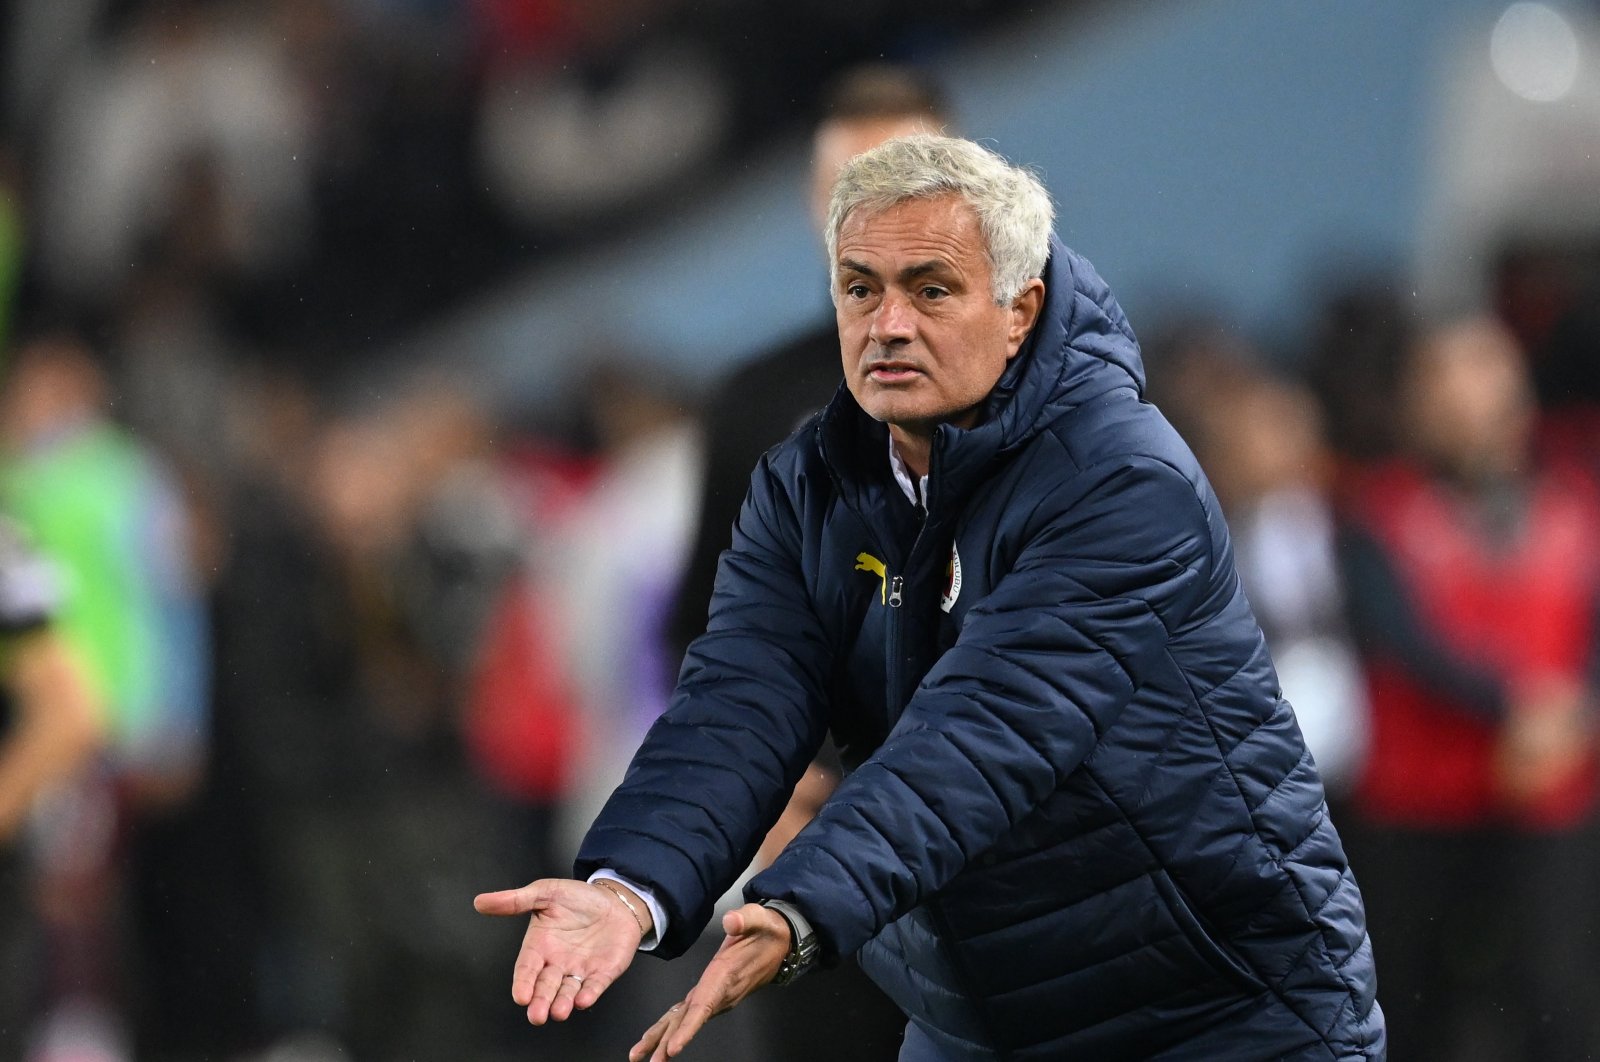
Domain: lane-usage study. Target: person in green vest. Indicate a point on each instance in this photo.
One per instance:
(105, 506)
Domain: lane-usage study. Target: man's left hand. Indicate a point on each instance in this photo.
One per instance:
(757, 941)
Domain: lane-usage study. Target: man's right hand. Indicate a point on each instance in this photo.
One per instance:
(580, 939)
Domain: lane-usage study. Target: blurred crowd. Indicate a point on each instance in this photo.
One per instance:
(316, 177)
(294, 665)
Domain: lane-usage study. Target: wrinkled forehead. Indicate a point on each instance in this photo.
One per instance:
(943, 211)
(943, 226)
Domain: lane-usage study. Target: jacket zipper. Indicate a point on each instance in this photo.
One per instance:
(896, 617)
(892, 639)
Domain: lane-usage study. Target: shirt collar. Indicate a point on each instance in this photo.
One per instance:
(917, 491)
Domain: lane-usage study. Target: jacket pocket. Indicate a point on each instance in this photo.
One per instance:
(1206, 942)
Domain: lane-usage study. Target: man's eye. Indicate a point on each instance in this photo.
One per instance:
(931, 292)
(856, 291)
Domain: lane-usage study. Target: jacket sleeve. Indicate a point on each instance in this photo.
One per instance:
(1111, 564)
(715, 771)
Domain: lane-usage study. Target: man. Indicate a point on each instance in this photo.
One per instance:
(1472, 572)
(1081, 821)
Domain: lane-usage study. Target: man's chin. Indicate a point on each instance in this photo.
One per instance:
(905, 409)
(893, 404)
(902, 413)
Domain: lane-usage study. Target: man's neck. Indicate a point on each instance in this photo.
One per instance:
(914, 445)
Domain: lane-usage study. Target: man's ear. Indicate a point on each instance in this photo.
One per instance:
(1024, 313)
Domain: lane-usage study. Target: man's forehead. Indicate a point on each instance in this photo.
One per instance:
(929, 228)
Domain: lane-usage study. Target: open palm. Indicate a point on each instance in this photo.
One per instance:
(579, 940)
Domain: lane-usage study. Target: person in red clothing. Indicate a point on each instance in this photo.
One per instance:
(1472, 579)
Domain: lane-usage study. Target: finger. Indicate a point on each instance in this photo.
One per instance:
(653, 1035)
(545, 987)
(561, 1006)
(734, 923)
(695, 1016)
(674, 1020)
(528, 966)
(594, 985)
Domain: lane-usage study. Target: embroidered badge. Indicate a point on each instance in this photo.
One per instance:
(952, 580)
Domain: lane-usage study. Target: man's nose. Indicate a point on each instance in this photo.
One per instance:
(894, 321)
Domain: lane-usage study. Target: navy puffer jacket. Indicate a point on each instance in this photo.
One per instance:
(1081, 822)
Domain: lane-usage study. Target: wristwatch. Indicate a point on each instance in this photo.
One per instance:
(802, 942)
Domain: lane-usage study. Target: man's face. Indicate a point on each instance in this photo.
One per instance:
(923, 340)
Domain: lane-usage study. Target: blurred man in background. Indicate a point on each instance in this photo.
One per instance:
(1259, 435)
(107, 510)
(1473, 580)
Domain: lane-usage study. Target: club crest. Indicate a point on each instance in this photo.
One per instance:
(952, 580)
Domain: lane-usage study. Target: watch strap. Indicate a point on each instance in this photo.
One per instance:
(803, 944)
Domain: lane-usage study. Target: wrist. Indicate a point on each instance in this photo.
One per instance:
(803, 945)
(637, 909)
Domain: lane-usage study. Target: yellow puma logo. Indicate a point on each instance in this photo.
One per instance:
(866, 562)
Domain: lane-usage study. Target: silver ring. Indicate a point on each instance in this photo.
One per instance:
(575, 977)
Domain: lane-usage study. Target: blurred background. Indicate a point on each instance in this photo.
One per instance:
(371, 373)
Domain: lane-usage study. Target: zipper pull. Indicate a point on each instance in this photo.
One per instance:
(895, 587)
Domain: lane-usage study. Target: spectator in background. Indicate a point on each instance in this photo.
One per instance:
(843, 1016)
(1258, 434)
(49, 726)
(355, 621)
(214, 947)
(614, 565)
(105, 508)
(1473, 578)
(622, 564)
(522, 715)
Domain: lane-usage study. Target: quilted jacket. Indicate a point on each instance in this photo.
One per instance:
(1080, 821)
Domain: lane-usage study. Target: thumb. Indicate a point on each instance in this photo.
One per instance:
(751, 918)
(510, 901)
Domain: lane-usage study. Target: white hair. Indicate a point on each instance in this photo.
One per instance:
(1014, 210)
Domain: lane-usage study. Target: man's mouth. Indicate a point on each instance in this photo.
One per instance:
(893, 371)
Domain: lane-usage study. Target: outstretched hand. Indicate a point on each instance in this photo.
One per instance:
(580, 939)
(757, 940)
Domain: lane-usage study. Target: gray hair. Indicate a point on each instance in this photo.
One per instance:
(1014, 210)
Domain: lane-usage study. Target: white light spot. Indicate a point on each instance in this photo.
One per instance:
(1535, 52)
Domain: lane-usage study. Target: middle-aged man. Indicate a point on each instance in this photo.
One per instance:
(1080, 820)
